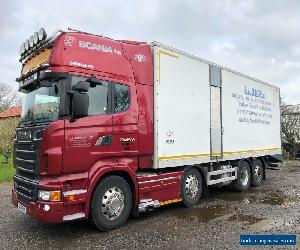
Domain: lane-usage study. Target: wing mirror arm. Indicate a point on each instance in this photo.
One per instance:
(94, 81)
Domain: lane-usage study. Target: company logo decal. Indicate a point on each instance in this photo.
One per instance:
(98, 47)
(82, 65)
(69, 40)
(255, 92)
(127, 142)
(128, 139)
(170, 137)
(140, 58)
(104, 141)
(80, 141)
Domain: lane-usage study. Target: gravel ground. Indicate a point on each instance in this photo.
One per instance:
(216, 223)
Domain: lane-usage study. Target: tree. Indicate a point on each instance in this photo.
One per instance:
(7, 132)
(8, 97)
(290, 126)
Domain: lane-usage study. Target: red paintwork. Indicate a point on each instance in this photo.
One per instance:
(161, 187)
(69, 158)
(143, 73)
(52, 147)
(145, 125)
(107, 62)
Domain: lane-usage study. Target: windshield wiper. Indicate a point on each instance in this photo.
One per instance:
(42, 120)
(28, 123)
(35, 122)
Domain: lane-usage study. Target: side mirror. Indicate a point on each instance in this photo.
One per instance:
(80, 105)
(80, 100)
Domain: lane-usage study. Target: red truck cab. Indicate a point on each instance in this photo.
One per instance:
(87, 114)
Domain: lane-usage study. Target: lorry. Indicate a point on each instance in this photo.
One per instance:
(113, 128)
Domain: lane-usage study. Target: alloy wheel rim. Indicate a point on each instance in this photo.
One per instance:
(244, 176)
(191, 186)
(257, 172)
(112, 203)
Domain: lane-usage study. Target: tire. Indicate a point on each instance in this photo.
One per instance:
(242, 183)
(191, 187)
(111, 203)
(257, 173)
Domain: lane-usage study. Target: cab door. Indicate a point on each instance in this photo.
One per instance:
(89, 139)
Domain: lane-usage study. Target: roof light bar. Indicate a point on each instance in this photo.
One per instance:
(33, 42)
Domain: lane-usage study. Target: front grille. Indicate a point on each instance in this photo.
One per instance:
(26, 189)
(26, 162)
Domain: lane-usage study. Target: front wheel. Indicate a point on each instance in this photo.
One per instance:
(111, 203)
(191, 187)
(242, 183)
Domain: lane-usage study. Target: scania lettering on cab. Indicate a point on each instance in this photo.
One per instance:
(112, 128)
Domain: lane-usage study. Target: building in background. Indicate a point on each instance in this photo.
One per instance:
(14, 112)
(9, 119)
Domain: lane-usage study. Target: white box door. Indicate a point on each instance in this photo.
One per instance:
(215, 122)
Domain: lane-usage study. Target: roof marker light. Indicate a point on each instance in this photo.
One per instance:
(26, 45)
(22, 49)
(35, 38)
(42, 34)
(31, 42)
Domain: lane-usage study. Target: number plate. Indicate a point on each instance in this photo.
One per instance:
(22, 208)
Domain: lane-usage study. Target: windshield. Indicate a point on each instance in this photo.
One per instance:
(41, 104)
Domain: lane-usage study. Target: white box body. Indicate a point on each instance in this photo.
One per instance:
(185, 119)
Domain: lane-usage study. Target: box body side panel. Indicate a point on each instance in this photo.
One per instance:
(250, 112)
(251, 115)
(181, 110)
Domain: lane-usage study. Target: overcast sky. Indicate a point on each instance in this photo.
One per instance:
(258, 38)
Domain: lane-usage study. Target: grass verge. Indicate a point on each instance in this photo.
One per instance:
(6, 170)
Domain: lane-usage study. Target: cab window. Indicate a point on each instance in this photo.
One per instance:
(98, 99)
(106, 97)
(121, 98)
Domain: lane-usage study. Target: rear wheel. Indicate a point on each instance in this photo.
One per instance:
(242, 183)
(191, 187)
(257, 173)
(111, 203)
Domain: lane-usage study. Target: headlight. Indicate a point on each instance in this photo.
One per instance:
(49, 195)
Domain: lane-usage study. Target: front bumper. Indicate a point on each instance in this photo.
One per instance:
(39, 211)
(52, 212)
(73, 204)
